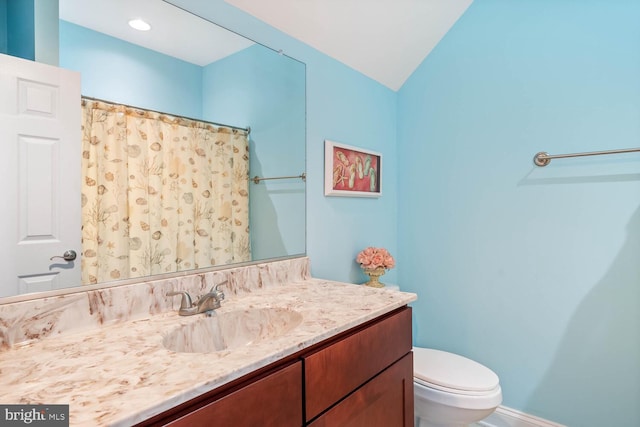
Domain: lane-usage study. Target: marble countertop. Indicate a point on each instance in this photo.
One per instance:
(121, 374)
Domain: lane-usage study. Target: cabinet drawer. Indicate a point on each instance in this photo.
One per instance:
(386, 400)
(335, 371)
(275, 400)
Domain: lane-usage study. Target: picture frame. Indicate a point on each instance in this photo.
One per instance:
(351, 171)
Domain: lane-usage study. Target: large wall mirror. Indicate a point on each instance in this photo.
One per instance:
(185, 69)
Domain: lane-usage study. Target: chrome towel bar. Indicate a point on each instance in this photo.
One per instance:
(256, 179)
(543, 159)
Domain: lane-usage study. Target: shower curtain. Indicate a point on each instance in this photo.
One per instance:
(160, 193)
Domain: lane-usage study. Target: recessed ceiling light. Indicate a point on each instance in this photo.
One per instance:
(139, 24)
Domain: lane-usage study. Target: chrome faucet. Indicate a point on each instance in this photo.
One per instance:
(205, 304)
(219, 294)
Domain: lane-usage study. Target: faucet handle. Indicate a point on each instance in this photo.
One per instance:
(219, 294)
(186, 299)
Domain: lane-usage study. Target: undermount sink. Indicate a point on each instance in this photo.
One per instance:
(232, 329)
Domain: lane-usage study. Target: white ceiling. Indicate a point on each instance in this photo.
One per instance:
(173, 31)
(383, 39)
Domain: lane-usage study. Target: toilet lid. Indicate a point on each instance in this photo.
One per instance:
(452, 371)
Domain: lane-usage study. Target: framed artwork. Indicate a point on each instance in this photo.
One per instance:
(351, 171)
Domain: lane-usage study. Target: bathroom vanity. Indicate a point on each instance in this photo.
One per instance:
(331, 354)
(363, 376)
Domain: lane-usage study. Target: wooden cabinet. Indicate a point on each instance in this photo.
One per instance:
(338, 369)
(385, 401)
(363, 377)
(270, 401)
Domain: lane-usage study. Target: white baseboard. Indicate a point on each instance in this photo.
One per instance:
(507, 417)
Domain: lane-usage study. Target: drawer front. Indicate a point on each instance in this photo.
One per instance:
(335, 371)
(386, 400)
(272, 401)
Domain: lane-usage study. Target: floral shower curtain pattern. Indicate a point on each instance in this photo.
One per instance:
(160, 193)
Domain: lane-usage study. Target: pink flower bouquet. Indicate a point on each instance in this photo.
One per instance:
(371, 258)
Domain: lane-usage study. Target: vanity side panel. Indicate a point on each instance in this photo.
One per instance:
(335, 371)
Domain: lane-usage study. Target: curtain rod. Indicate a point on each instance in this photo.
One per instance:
(543, 159)
(247, 129)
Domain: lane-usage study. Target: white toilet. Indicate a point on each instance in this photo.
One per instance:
(451, 390)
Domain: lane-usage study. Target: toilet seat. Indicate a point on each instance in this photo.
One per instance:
(453, 373)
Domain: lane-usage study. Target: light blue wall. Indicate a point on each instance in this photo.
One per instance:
(46, 28)
(344, 106)
(129, 74)
(534, 272)
(257, 87)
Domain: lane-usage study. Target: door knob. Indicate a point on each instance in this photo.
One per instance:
(69, 255)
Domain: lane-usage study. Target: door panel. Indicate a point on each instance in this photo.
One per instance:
(41, 146)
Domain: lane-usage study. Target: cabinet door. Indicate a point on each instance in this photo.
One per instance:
(335, 371)
(275, 400)
(385, 401)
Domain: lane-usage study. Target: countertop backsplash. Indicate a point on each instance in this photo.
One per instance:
(26, 321)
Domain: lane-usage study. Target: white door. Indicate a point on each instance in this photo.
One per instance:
(40, 160)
